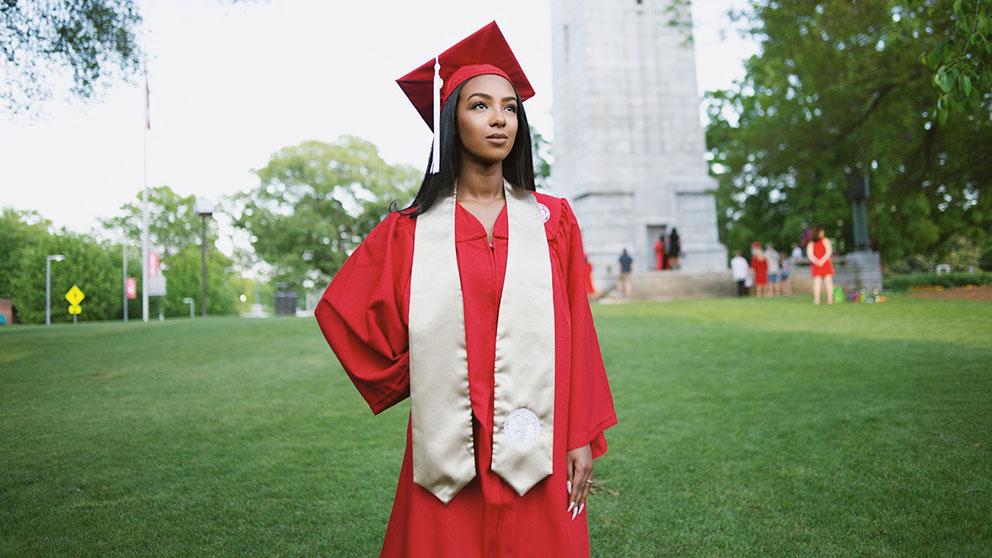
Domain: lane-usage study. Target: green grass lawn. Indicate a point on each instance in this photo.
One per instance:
(747, 428)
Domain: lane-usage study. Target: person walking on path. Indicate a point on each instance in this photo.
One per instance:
(674, 249)
(626, 268)
(739, 269)
(819, 251)
(471, 302)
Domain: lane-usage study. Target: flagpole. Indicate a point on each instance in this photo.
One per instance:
(144, 206)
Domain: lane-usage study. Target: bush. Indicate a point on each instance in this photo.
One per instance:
(906, 281)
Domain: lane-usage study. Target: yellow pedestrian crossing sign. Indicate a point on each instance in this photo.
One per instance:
(75, 296)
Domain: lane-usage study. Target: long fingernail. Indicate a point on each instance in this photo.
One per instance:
(582, 507)
(569, 485)
(570, 506)
(575, 512)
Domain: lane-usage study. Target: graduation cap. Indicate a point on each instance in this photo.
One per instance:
(483, 52)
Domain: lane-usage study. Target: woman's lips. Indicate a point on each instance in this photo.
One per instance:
(498, 139)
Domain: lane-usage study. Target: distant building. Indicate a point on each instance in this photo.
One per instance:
(628, 147)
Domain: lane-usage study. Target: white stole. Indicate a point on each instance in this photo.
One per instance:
(441, 410)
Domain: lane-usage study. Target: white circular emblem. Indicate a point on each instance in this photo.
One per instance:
(522, 428)
(545, 212)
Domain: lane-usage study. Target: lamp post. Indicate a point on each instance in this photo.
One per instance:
(244, 309)
(189, 301)
(204, 209)
(48, 285)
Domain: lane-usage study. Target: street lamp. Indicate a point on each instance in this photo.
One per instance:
(204, 209)
(48, 285)
(244, 299)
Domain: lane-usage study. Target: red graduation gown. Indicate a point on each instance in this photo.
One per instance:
(363, 314)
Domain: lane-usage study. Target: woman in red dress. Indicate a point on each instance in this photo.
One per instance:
(819, 250)
(659, 253)
(760, 266)
(472, 303)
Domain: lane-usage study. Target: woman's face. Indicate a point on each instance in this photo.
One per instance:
(487, 118)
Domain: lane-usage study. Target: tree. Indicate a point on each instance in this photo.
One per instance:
(962, 62)
(173, 223)
(315, 203)
(184, 280)
(40, 41)
(19, 230)
(92, 265)
(542, 159)
(839, 91)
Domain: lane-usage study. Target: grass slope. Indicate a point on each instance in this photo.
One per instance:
(747, 428)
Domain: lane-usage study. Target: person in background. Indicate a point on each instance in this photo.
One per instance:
(739, 269)
(774, 260)
(760, 266)
(626, 267)
(819, 250)
(806, 236)
(659, 253)
(785, 268)
(590, 288)
(797, 254)
(674, 249)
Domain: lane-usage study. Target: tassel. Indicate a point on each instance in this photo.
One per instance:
(436, 153)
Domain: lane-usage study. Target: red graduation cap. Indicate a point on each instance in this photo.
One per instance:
(482, 52)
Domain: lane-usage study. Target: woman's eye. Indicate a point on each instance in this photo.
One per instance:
(479, 105)
(511, 108)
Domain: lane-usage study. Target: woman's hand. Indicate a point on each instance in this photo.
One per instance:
(579, 469)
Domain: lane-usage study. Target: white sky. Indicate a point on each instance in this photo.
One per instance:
(232, 84)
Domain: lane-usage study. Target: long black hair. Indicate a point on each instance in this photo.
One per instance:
(518, 167)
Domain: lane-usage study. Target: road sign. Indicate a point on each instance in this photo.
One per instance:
(75, 296)
(75, 309)
(132, 288)
(156, 285)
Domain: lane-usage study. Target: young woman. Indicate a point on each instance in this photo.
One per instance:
(819, 250)
(472, 302)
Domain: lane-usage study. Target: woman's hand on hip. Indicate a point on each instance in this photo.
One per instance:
(579, 469)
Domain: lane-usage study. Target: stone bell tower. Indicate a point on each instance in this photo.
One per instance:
(628, 147)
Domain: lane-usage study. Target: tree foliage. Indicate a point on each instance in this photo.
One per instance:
(173, 223)
(19, 230)
(41, 40)
(841, 90)
(315, 203)
(92, 265)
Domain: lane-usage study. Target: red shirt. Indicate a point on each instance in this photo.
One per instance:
(364, 315)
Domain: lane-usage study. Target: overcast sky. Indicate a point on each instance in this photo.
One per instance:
(231, 84)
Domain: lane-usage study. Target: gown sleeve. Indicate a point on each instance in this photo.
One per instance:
(363, 314)
(590, 409)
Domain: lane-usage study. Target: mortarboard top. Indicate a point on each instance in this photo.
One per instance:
(483, 52)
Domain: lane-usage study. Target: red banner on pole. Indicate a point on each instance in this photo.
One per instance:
(153, 267)
(132, 288)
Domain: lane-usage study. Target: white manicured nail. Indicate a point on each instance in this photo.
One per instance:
(582, 507)
(569, 485)
(570, 506)
(575, 512)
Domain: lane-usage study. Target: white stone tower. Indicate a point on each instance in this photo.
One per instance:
(628, 147)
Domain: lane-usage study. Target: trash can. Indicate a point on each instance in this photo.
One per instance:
(285, 300)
